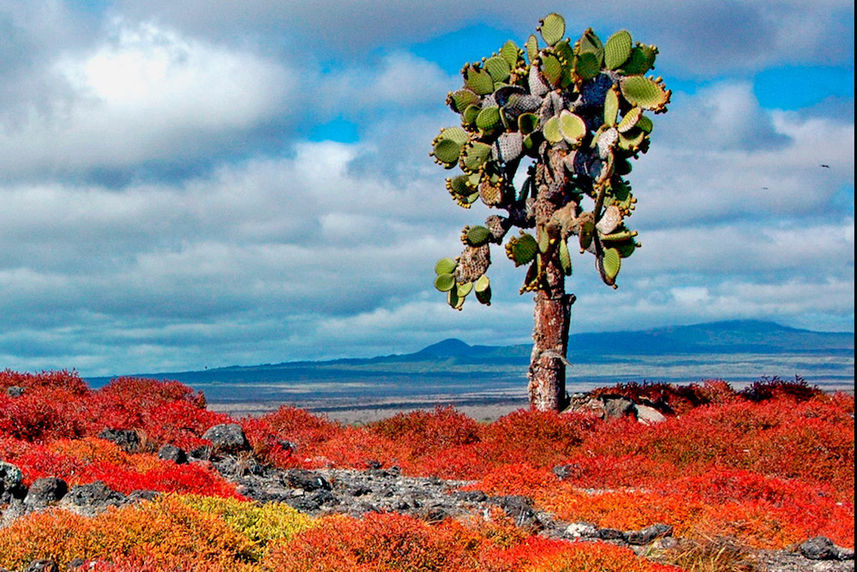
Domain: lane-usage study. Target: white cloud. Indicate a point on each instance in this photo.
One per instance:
(145, 94)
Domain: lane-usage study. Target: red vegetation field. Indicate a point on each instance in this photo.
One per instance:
(768, 467)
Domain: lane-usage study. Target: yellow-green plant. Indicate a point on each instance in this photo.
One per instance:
(576, 111)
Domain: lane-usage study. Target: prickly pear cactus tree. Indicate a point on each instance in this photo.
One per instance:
(574, 113)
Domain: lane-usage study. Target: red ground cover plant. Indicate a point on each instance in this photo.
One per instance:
(769, 466)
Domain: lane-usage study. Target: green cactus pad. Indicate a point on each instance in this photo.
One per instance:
(564, 52)
(608, 265)
(629, 120)
(532, 47)
(510, 53)
(478, 81)
(564, 257)
(543, 239)
(464, 289)
(522, 249)
(650, 53)
(572, 127)
(459, 100)
(625, 248)
(445, 266)
(617, 49)
(444, 282)
(587, 65)
(447, 152)
(454, 300)
(644, 92)
(498, 68)
(589, 42)
(470, 114)
(632, 140)
(488, 121)
(527, 123)
(552, 28)
(611, 107)
(478, 235)
(637, 63)
(551, 69)
(585, 233)
(618, 236)
(475, 154)
(551, 131)
(456, 134)
(484, 296)
(460, 185)
(645, 124)
(482, 284)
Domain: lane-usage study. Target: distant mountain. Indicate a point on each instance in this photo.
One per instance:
(455, 358)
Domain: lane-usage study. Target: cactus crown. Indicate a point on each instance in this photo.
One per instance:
(578, 105)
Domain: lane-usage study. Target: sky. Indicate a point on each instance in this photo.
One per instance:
(194, 184)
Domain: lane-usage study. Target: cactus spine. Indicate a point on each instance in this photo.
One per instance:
(576, 111)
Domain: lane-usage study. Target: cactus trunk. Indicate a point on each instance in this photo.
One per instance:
(551, 319)
(552, 315)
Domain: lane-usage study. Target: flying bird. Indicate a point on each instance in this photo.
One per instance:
(825, 166)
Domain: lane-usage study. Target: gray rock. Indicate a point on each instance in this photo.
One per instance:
(11, 483)
(43, 566)
(519, 508)
(648, 534)
(45, 491)
(649, 415)
(14, 391)
(581, 530)
(567, 471)
(95, 496)
(615, 407)
(227, 438)
(822, 548)
(125, 438)
(610, 534)
(306, 480)
(172, 453)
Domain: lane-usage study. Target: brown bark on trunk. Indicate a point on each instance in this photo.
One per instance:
(552, 315)
(551, 321)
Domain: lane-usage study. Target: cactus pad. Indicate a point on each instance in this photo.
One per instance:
(564, 257)
(617, 49)
(498, 68)
(445, 266)
(478, 80)
(551, 131)
(510, 52)
(444, 282)
(629, 120)
(447, 152)
(608, 265)
(551, 69)
(572, 128)
(459, 100)
(488, 121)
(552, 28)
(587, 66)
(646, 93)
(475, 154)
(477, 235)
(522, 249)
